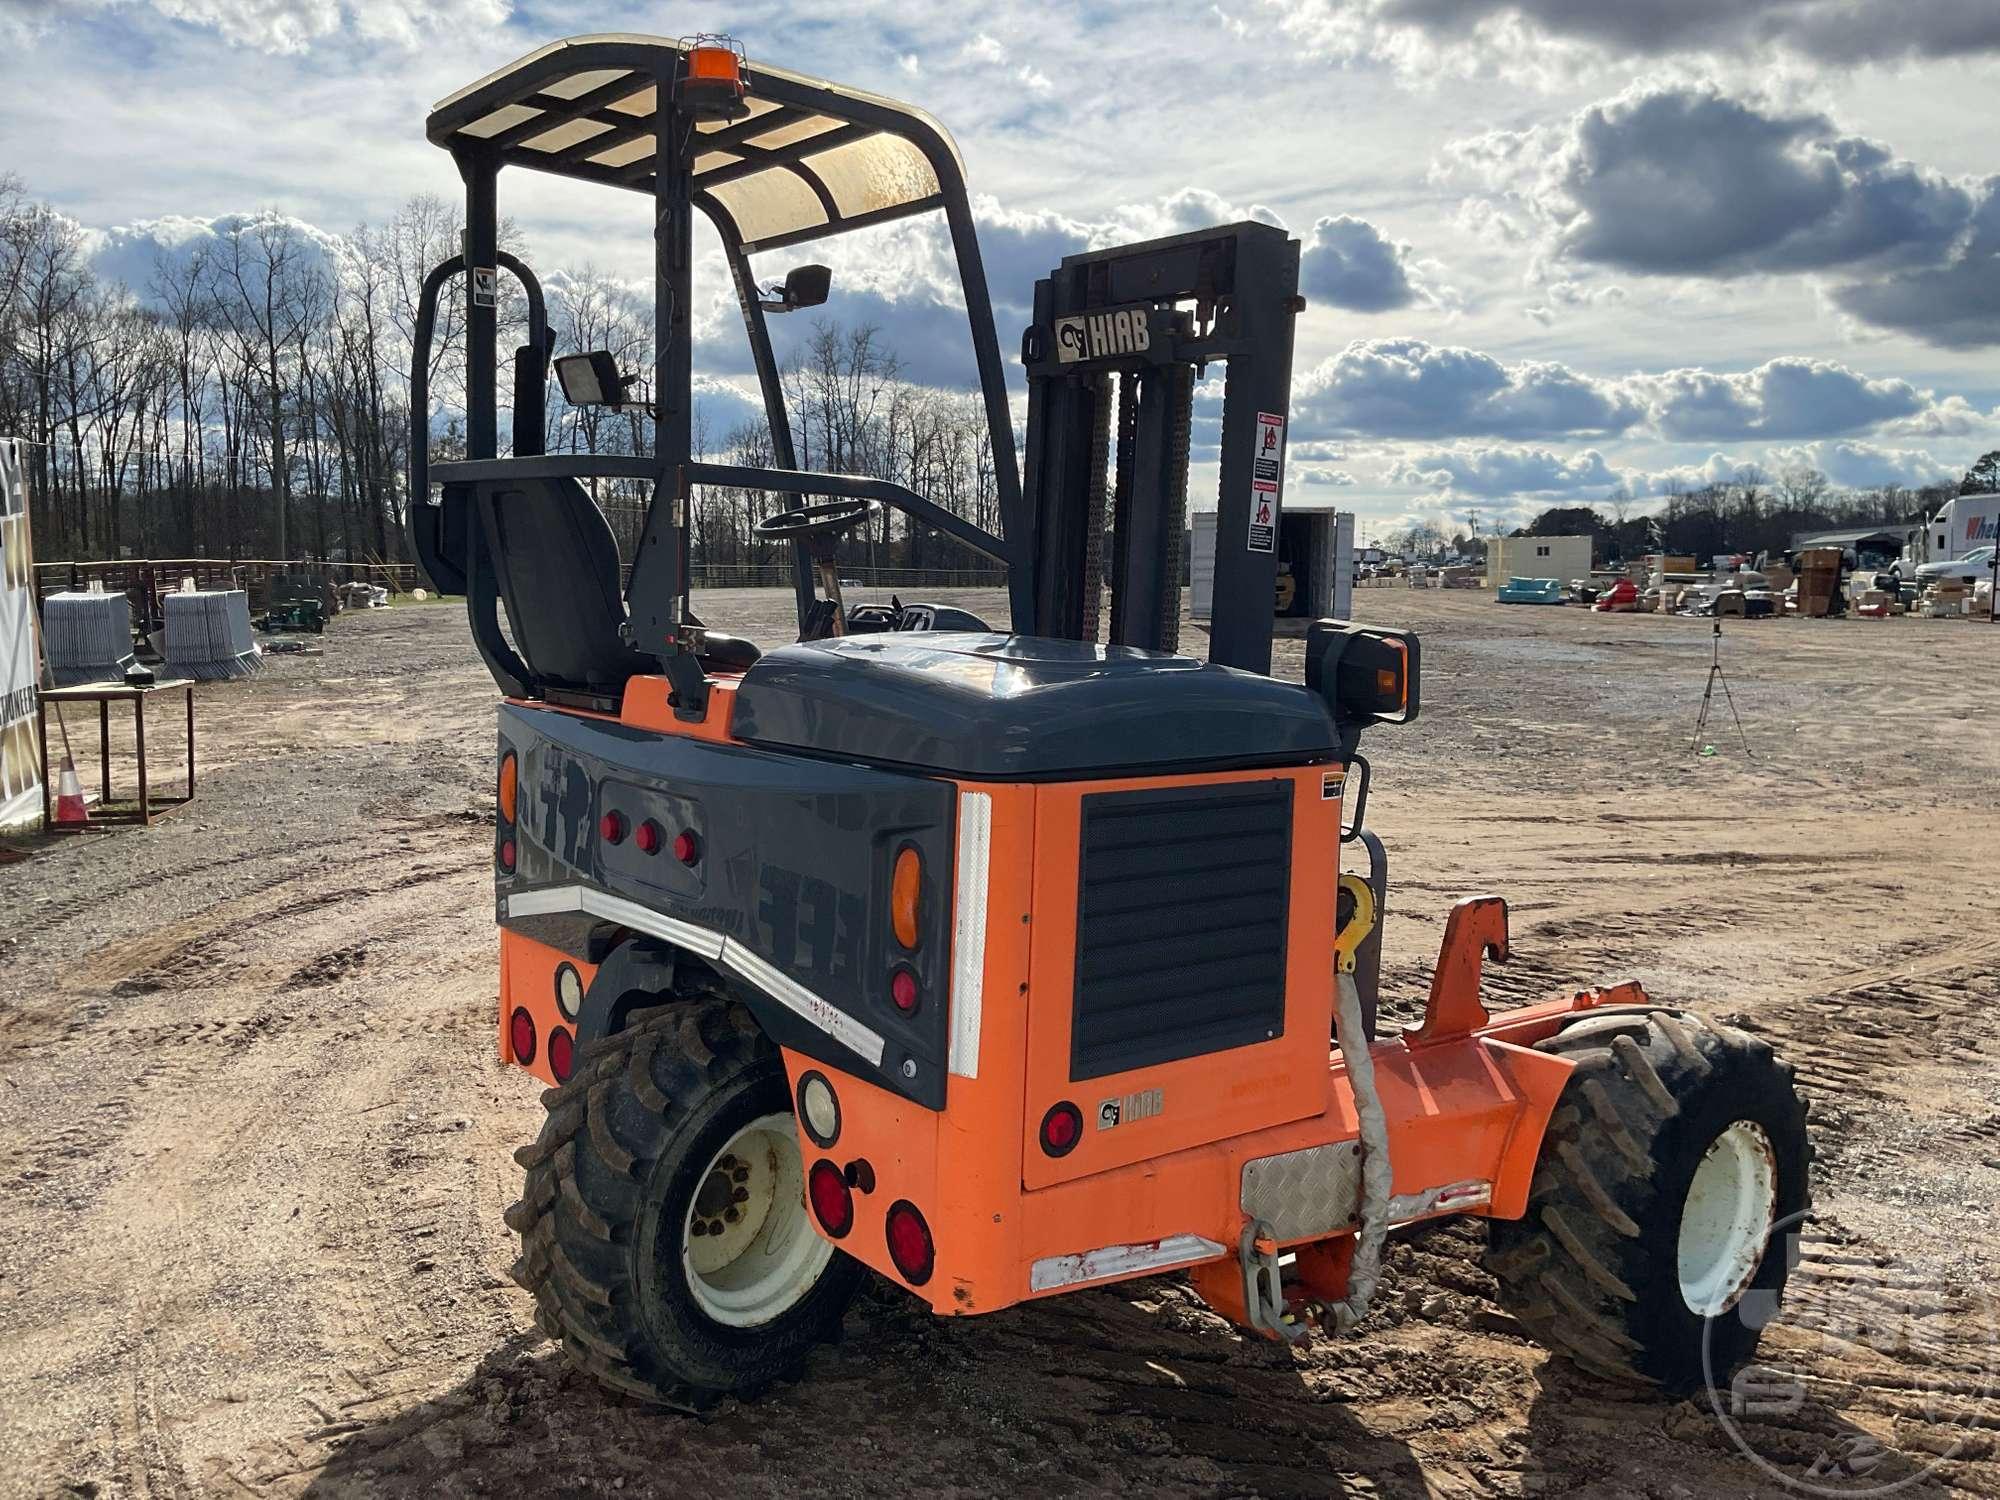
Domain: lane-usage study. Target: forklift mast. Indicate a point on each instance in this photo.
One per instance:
(1145, 321)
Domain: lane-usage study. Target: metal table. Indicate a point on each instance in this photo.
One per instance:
(104, 694)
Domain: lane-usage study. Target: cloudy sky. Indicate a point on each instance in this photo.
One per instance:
(1552, 247)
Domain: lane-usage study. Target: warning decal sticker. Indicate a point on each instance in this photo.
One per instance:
(1266, 467)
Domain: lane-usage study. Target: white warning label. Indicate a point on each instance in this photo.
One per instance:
(1266, 467)
(485, 286)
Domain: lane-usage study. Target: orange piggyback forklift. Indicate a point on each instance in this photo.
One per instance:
(997, 962)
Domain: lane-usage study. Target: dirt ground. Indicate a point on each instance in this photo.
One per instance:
(255, 1142)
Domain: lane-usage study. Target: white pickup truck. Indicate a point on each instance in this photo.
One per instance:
(1973, 566)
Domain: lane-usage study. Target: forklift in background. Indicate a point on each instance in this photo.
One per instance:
(1000, 963)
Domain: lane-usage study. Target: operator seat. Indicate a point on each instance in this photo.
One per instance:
(556, 566)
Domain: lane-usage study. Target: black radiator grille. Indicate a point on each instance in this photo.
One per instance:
(1182, 903)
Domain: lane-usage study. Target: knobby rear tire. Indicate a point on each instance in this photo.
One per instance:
(1592, 1270)
(610, 1180)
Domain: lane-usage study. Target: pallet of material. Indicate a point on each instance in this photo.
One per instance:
(88, 637)
(208, 635)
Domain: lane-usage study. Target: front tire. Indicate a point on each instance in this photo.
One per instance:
(1662, 1220)
(664, 1228)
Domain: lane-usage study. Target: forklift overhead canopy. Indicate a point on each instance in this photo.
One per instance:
(810, 158)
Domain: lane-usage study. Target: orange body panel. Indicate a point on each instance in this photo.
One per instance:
(528, 980)
(1467, 1099)
(646, 707)
(1214, 1095)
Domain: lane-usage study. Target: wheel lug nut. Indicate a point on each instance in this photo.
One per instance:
(732, 1214)
(741, 1195)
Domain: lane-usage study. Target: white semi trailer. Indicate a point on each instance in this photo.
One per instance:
(1962, 524)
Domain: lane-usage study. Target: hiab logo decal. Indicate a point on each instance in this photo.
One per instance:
(1140, 1106)
(1100, 335)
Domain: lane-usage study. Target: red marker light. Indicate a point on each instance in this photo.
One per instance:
(611, 828)
(687, 848)
(507, 854)
(1062, 1128)
(521, 1036)
(903, 990)
(832, 1202)
(910, 1244)
(649, 837)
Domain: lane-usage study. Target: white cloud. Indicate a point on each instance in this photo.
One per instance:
(295, 26)
(136, 254)
(1858, 465)
(1688, 181)
(1348, 263)
(1549, 40)
(1847, 464)
(984, 48)
(1471, 469)
(1408, 388)
(1717, 468)
(1781, 398)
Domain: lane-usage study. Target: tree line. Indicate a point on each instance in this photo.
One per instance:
(251, 399)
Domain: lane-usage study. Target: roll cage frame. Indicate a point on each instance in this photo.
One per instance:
(1119, 340)
(657, 595)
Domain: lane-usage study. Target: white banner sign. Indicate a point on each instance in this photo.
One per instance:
(20, 770)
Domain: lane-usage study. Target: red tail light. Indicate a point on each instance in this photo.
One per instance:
(832, 1202)
(611, 828)
(521, 1036)
(903, 990)
(507, 855)
(562, 1054)
(910, 1244)
(1062, 1128)
(649, 837)
(687, 848)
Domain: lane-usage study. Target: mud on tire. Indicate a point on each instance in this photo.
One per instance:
(1593, 1269)
(621, 1157)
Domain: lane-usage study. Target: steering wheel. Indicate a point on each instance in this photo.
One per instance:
(828, 518)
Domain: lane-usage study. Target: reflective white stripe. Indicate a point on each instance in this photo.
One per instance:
(1122, 1260)
(795, 997)
(616, 909)
(968, 930)
(780, 986)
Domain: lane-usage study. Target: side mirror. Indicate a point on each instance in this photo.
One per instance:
(592, 379)
(804, 286)
(1366, 676)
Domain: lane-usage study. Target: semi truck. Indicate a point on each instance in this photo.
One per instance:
(1962, 524)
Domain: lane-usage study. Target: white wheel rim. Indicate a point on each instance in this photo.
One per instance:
(1727, 1218)
(746, 1247)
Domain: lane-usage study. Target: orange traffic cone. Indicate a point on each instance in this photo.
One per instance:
(70, 810)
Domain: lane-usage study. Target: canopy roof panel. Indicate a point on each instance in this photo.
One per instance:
(810, 158)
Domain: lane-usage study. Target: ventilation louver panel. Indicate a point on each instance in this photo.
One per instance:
(1182, 902)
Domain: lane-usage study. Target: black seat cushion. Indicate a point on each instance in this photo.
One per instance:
(556, 565)
(727, 653)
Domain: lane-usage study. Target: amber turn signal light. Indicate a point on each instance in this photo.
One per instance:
(510, 777)
(905, 896)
